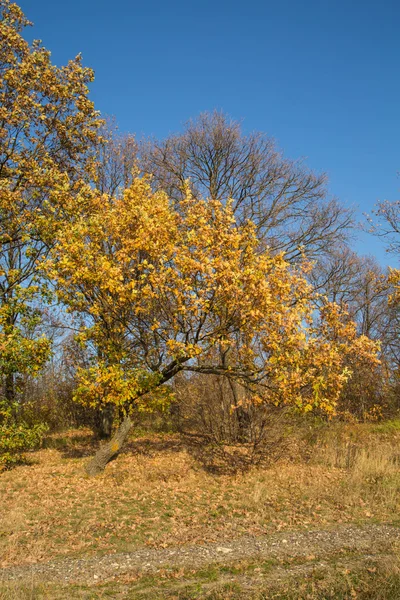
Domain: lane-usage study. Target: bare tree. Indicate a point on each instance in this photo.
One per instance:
(388, 224)
(115, 159)
(288, 203)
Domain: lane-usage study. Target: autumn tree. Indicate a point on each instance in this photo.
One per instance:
(354, 281)
(386, 224)
(389, 227)
(287, 202)
(361, 285)
(48, 127)
(162, 285)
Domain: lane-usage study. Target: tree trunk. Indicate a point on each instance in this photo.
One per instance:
(103, 422)
(110, 449)
(241, 414)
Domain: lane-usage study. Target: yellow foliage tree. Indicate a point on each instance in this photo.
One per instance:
(394, 281)
(47, 130)
(161, 286)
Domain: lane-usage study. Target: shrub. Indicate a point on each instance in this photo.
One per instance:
(17, 438)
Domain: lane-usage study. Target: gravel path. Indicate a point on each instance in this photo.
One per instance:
(366, 540)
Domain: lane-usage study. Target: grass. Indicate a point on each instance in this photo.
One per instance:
(344, 578)
(160, 497)
(158, 494)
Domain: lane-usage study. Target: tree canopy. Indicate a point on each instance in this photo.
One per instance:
(162, 286)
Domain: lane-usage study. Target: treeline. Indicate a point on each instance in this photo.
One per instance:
(204, 277)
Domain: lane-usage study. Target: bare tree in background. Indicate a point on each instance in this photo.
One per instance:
(388, 224)
(116, 159)
(287, 202)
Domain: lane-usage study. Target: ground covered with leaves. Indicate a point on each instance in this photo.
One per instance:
(164, 497)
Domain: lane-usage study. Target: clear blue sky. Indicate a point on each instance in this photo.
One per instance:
(321, 77)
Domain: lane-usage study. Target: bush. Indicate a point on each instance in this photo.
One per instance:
(236, 430)
(17, 438)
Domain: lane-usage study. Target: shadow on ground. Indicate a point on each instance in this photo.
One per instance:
(214, 458)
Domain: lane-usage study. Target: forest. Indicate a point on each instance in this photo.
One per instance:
(195, 302)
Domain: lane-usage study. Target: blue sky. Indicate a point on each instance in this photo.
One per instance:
(321, 77)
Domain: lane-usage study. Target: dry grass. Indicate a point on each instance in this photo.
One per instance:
(346, 578)
(158, 494)
(22, 591)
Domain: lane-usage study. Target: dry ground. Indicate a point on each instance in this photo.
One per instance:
(161, 496)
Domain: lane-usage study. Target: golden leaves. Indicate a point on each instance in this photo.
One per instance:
(171, 284)
(48, 126)
(394, 281)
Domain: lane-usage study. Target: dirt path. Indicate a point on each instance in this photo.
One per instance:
(367, 540)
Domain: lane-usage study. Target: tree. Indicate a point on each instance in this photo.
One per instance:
(287, 203)
(168, 287)
(355, 282)
(48, 128)
(116, 159)
(388, 225)
(360, 285)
